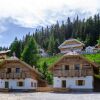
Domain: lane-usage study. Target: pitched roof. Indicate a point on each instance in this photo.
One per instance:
(72, 55)
(80, 43)
(4, 52)
(15, 59)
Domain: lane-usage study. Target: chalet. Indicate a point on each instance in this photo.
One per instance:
(3, 54)
(43, 53)
(90, 50)
(73, 71)
(16, 75)
(71, 45)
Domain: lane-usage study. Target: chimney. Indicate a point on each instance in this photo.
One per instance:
(14, 54)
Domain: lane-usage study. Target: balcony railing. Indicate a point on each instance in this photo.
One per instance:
(73, 73)
(14, 75)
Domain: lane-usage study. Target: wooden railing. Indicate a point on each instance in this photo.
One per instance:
(73, 73)
(14, 75)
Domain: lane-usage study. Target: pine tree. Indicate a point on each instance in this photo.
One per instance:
(51, 45)
(30, 53)
(45, 70)
(15, 47)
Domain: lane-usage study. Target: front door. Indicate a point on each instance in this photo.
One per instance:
(6, 84)
(63, 83)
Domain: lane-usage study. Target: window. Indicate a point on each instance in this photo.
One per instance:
(66, 67)
(77, 66)
(35, 84)
(8, 70)
(31, 84)
(17, 70)
(80, 82)
(20, 84)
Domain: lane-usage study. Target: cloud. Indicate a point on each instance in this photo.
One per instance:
(32, 13)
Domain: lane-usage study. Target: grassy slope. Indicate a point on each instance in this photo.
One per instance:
(93, 57)
(51, 60)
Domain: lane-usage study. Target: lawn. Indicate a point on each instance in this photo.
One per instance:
(53, 59)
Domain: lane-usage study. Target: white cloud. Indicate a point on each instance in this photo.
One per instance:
(30, 13)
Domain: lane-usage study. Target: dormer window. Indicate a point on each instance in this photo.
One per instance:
(17, 70)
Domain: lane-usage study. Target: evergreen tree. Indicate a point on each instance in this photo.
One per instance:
(51, 46)
(15, 47)
(45, 70)
(30, 53)
(46, 75)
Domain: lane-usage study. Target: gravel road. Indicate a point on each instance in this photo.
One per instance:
(49, 96)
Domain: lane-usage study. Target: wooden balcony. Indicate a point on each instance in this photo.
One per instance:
(73, 73)
(13, 75)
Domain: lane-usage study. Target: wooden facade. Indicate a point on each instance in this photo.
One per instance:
(71, 44)
(72, 66)
(15, 69)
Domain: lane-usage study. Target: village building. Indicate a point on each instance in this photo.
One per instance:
(43, 53)
(73, 71)
(16, 75)
(71, 45)
(3, 54)
(90, 49)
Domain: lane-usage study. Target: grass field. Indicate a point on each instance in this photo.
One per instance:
(51, 60)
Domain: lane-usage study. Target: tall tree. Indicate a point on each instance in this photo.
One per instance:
(15, 47)
(30, 53)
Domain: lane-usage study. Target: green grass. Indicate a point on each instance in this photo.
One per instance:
(53, 59)
(49, 60)
(93, 57)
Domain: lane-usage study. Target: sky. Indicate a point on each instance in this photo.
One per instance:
(18, 17)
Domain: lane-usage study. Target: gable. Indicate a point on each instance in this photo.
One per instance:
(71, 59)
(14, 64)
(18, 64)
(71, 42)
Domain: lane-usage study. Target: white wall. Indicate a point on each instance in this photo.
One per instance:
(71, 82)
(66, 51)
(89, 50)
(13, 83)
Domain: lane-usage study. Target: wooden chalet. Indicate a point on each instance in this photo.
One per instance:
(71, 45)
(16, 75)
(73, 71)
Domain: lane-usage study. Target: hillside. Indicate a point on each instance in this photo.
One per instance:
(51, 60)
